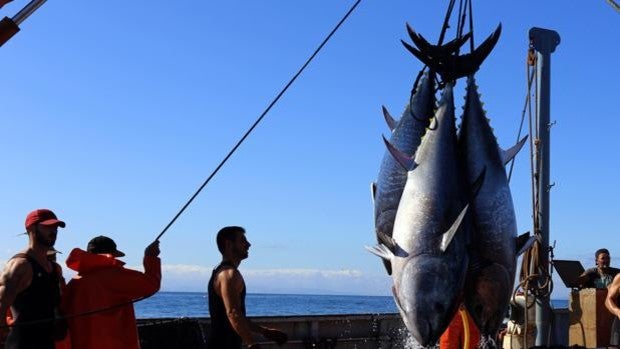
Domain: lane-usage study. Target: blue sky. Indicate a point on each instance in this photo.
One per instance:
(113, 113)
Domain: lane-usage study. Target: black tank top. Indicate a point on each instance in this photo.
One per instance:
(37, 302)
(222, 335)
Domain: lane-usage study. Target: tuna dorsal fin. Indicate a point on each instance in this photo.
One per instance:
(389, 119)
(405, 160)
(381, 251)
(524, 242)
(446, 238)
(509, 154)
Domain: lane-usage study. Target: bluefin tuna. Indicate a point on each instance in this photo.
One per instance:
(406, 136)
(428, 248)
(494, 247)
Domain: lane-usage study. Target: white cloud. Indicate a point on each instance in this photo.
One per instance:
(181, 277)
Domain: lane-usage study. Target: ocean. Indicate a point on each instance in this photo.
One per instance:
(195, 304)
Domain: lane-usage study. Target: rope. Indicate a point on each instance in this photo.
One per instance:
(446, 21)
(471, 26)
(260, 118)
(614, 5)
(530, 78)
(465, 320)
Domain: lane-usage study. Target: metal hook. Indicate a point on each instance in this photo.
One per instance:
(550, 186)
(551, 124)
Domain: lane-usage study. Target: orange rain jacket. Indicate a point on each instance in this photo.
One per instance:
(102, 282)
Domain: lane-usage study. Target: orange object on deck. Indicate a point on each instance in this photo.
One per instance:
(461, 333)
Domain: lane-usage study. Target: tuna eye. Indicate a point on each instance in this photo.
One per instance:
(439, 308)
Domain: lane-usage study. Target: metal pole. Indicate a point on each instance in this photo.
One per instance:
(544, 42)
(27, 11)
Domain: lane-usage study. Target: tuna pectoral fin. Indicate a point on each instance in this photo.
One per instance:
(405, 160)
(381, 251)
(509, 154)
(524, 242)
(447, 237)
(389, 119)
(386, 240)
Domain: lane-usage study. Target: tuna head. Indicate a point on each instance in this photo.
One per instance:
(424, 294)
(486, 297)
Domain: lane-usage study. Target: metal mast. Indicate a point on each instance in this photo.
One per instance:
(544, 42)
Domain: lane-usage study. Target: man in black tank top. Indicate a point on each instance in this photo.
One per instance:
(29, 285)
(229, 324)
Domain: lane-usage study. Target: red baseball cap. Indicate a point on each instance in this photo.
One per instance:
(43, 216)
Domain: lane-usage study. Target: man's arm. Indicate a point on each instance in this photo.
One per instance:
(15, 278)
(585, 279)
(231, 284)
(134, 284)
(612, 294)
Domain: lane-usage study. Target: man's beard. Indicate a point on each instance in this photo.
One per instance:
(42, 241)
(241, 253)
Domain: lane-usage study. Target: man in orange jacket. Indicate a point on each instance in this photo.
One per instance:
(104, 289)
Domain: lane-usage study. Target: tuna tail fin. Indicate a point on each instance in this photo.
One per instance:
(389, 119)
(405, 160)
(524, 242)
(381, 251)
(436, 50)
(447, 237)
(452, 67)
(509, 154)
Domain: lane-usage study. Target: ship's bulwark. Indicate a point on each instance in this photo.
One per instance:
(345, 331)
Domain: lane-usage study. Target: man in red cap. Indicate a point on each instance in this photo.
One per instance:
(29, 285)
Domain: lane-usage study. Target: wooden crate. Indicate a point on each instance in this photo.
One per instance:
(589, 319)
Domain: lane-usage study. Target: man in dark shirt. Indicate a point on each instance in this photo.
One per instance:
(29, 285)
(601, 275)
(229, 324)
